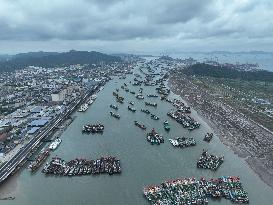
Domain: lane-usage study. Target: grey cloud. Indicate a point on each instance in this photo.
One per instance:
(109, 22)
(178, 11)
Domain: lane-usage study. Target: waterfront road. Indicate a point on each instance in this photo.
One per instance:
(9, 166)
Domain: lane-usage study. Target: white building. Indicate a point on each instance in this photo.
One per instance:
(59, 97)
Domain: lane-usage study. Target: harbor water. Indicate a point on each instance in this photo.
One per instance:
(142, 163)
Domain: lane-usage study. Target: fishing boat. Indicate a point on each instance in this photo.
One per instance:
(114, 107)
(208, 137)
(145, 111)
(119, 99)
(209, 161)
(90, 102)
(131, 109)
(154, 117)
(140, 96)
(83, 108)
(140, 125)
(151, 104)
(115, 115)
(163, 97)
(55, 144)
(166, 125)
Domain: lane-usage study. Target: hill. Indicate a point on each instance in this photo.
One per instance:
(52, 59)
(34, 54)
(202, 69)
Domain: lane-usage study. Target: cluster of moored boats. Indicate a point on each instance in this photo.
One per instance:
(181, 114)
(183, 142)
(209, 161)
(185, 120)
(180, 106)
(154, 117)
(163, 91)
(43, 155)
(154, 138)
(119, 98)
(77, 167)
(85, 106)
(93, 128)
(190, 191)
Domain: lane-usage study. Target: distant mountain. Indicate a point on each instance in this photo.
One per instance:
(227, 52)
(4, 57)
(254, 52)
(241, 52)
(52, 59)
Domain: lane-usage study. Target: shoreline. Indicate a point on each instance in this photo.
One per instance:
(254, 162)
(11, 182)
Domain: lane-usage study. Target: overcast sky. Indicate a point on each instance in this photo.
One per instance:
(136, 26)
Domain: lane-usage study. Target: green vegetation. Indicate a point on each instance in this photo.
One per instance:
(44, 59)
(202, 69)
